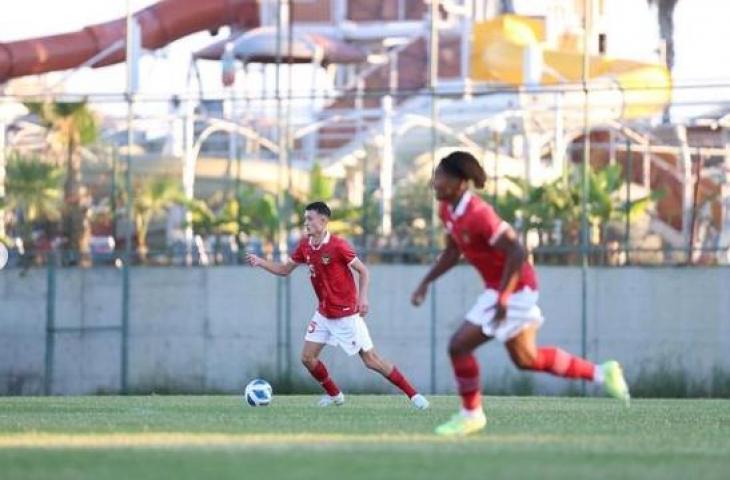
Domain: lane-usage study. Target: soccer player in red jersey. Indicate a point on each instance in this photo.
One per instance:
(507, 310)
(339, 316)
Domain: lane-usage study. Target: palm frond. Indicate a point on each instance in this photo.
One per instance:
(34, 187)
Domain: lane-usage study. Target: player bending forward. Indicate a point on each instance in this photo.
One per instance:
(507, 310)
(338, 319)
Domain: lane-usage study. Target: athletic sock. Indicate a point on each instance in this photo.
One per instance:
(563, 364)
(397, 379)
(319, 372)
(598, 376)
(466, 371)
(476, 413)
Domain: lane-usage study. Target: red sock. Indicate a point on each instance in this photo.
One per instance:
(563, 364)
(466, 370)
(320, 374)
(397, 379)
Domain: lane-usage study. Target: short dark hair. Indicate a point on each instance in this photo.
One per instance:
(319, 207)
(465, 166)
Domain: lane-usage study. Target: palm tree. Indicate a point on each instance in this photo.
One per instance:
(321, 187)
(152, 198)
(215, 217)
(33, 191)
(72, 125)
(256, 213)
(556, 205)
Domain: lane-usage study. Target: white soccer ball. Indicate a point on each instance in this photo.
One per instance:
(258, 393)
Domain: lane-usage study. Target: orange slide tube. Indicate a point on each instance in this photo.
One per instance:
(161, 24)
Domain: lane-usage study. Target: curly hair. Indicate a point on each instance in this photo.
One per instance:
(463, 165)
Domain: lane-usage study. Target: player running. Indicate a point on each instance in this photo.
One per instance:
(339, 316)
(507, 310)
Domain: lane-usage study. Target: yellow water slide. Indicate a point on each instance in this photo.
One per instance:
(503, 48)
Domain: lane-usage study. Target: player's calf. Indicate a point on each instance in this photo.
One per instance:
(471, 418)
(562, 364)
(320, 373)
(375, 362)
(468, 382)
(559, 363)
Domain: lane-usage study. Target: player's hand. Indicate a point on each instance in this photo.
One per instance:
(419, 295)
(363, 306)
(501, 313)
(253, 260)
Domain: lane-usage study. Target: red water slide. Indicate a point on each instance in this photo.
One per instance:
(161, 24)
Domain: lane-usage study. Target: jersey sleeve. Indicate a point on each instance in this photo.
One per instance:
(346, 251)
(298, 255)
(489, 224)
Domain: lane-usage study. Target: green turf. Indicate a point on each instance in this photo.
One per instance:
(371, 437)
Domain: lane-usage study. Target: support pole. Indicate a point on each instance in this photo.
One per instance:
(3, 127)
(132, 56)
(584, 183)
(386, 168)
(433, 84)
(50, 323)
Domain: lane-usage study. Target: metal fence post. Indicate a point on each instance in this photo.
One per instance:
(132, 51)
(50, 323)
(584, 243)
(433, 84)
(629, 179)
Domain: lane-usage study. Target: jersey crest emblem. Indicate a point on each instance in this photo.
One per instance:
(326, 259)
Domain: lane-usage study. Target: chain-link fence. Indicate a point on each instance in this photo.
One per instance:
(657, 194)
(582, 154)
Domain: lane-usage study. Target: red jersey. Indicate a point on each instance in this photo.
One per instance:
(475, 227)
(329, 270)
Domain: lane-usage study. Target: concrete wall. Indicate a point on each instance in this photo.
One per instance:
(213, 329)
(22, 331)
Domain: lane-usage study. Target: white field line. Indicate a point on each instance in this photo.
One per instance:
(222, 440)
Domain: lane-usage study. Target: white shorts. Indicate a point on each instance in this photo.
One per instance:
(350, 333)
(522, 312)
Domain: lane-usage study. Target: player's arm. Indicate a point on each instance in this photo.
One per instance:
(363, 285)
(508, 242)
(448, 258)
(281, 269)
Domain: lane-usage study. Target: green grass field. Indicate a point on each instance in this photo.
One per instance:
(196, 437)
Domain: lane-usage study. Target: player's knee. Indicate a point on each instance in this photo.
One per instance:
(456, 349)
(309, 361)
(371, 361)
(373, 365)
(524, 362)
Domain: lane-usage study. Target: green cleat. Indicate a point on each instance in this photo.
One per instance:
(461, 425)
(614, 381)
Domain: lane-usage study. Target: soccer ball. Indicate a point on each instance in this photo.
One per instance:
(258, 393)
